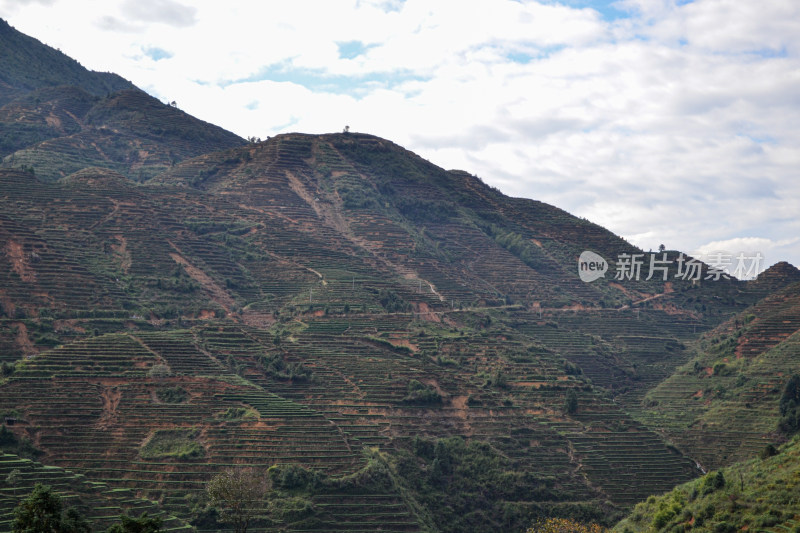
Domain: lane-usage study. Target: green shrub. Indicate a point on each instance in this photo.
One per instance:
(275, 367)
(172, 394)
(768, 451)
(290, 476)
(421, 394)
(790, 407)
(291, 509)
(172, 443)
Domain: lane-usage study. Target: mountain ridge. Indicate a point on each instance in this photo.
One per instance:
(28, 65)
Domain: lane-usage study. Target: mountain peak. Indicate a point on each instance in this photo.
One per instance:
(781, 270)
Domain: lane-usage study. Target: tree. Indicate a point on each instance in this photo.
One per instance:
(571, 402)
(790, 406)
(41, 513)
(13, 479)
(239, 493)
(74, 522)
(143, 524)
(38, 513)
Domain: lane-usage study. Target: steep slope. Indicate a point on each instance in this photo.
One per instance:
(26, 65)
(755, 495)
(56, 132)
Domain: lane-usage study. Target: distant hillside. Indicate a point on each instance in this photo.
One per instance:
(26, 65)
(722, 405)
(56, 118)
(756, 495)
(55, 132)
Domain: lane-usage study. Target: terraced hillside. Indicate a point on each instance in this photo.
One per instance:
(722, 405)
(398, 347)
(239, 288)
(100, 503)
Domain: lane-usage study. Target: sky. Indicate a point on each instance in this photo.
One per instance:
(670, 122)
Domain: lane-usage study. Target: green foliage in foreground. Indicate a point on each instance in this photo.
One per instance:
(143, 524)
(42, 512)
(753, 495)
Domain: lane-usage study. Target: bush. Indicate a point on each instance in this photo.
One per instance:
(172, 443)
(6, 369)
(275, 367)
(290, 476)
(172, 394)
(768, 451)
(392, 302)
(421, 394)
(291, 509)
(790, 407)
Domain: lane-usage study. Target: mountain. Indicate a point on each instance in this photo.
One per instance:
(394, 345)
(29, 65)
(57, 118)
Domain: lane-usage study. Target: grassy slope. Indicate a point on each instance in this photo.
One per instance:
(757, 495)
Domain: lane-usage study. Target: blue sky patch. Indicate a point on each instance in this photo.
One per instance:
(525, 55)
(607, 8)
(156, 54)
(353, 49)
(318, 80)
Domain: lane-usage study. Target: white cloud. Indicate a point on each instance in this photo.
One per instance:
(750, 254)
(675, 125)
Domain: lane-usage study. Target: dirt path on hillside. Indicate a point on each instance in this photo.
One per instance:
(19, 262)
(217, 293)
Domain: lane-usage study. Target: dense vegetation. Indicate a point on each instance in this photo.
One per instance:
(761, 494)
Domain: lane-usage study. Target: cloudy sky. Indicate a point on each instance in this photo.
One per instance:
(666, 121)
